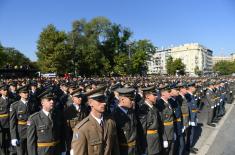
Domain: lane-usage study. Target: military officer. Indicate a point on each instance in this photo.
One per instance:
(150, 121)
(167, 117)
(210, 99)
(44, 133)
(193, 110)
(96, 134)
(19, 113)
(127, 123)
(178, 124)
(12, 91)
(4, 120)
(73, 114)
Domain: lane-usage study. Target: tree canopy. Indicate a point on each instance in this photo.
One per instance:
(95, 47)
(175, 65)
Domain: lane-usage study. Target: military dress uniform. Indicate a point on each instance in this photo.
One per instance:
(178, 125)
(19, 114)
(73, 114)
(44, 134)
(92, 138)
(166, 113)
(4, 123)
(151, 126)
(211, 100)
(193, 110)
(128, 126)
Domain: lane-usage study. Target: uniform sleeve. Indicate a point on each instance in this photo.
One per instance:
(13, 122)
(31, 137)
(79, 143)
(115, 149)
(162, 127)
(142, 130)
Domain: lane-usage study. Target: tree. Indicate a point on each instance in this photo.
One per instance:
(14, 57)
(179, 66)
(197, 71)
(169, 66)
(175, 65)
(53, 52)
(142, 50)
(224, 67)
(2, 57)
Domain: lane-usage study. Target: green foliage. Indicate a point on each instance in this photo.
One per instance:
(142, 50)
(175, 65)
(2, 57)
(12, 57)
(53, 52)
(224, 67)
(197, 71)
(92, 47)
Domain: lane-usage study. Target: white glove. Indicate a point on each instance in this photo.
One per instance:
(14, 142)
(193, 124)
(71, 152)
(183, 129)
(63, 153)
(165, 144)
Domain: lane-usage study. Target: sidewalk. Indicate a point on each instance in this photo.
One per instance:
(208, 134)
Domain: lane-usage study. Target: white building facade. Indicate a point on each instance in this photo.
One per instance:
(157, 63)
(192, 55)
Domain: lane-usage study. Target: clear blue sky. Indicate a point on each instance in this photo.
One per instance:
(164, 22)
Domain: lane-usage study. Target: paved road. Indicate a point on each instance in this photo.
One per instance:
(224, 143)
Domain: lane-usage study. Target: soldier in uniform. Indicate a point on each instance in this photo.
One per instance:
(150, 121)
(4, 120)
(74, 114)
(19, 113)
(193, 110)
(44, 133)
(96, 134)
(12, 92)
(33, 95)
(127, 123)
(210, 99)
(178, 124)
(167, 117)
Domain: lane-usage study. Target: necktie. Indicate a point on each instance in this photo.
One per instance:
(49, 116)
(102, 123)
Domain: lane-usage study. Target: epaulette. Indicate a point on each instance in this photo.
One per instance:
(36, 113)
(30, 118)
(82, 123)
(13, 104)
(143, 109)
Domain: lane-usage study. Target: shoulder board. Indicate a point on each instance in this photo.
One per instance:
(36, 113)
(82, 122)
(14, 103)
(143, 109)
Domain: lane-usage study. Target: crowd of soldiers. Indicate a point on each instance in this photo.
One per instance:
(108, 116)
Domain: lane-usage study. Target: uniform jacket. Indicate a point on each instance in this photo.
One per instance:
(192, 104)
(167, 118)
(42, 130)
(150, 121)
(127, 129)
(90, 139)
(4, 113)
(19, 114)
